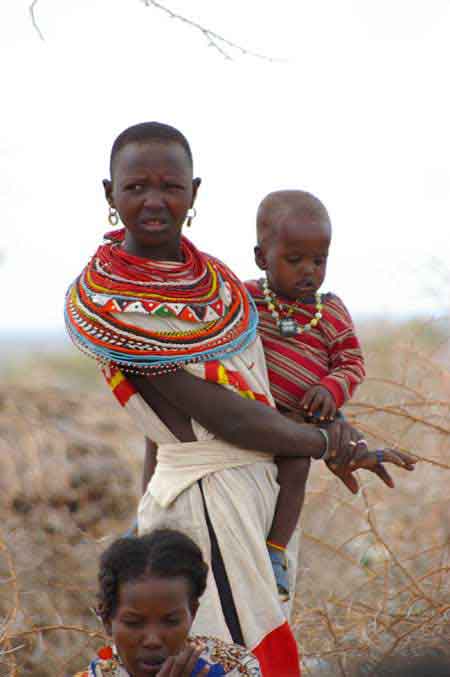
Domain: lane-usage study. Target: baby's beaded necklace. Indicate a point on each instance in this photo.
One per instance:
(287, 325)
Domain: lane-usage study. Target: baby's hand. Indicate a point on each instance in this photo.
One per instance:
(318, 400)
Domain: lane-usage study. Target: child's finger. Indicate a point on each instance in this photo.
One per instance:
(185, 661)
(328, 408)
(316, 403)
(166, 668)
(306, 399)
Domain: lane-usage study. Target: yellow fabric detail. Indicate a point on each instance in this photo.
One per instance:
(116, 379)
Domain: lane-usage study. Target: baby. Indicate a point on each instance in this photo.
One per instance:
(313, 356)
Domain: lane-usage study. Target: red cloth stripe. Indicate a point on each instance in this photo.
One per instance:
(278, 653)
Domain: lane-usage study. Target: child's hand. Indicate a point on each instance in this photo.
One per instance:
(318, 400)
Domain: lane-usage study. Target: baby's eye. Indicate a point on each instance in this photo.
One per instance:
(293, 259)
(134, 187)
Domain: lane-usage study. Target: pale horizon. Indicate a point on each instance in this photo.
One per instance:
(356, 112)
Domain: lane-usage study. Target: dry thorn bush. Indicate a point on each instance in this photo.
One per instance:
(374, 568)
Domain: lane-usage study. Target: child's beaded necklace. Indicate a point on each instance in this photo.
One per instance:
(287, 325)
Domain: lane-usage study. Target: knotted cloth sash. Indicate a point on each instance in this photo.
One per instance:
(219, 315)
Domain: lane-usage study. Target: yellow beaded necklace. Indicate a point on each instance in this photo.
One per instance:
(287, 325)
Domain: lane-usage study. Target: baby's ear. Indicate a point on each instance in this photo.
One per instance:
(260, 259)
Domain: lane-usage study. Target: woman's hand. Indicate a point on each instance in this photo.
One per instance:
(348, 451)
(183, 664)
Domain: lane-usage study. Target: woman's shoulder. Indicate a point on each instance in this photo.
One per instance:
(234, 659)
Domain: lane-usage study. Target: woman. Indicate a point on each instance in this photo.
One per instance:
(149, 594)
(176, 331)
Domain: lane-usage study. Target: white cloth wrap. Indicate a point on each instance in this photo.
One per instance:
(240, 490)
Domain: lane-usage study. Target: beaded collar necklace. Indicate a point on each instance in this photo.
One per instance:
(287, 326)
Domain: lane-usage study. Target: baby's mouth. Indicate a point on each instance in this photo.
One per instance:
(306, 285)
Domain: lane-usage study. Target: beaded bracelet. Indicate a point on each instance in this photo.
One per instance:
(326, 454)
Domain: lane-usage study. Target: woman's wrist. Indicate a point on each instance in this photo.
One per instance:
(326, 450)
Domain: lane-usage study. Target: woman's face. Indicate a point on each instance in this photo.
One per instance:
(152, 622)
(152, 189)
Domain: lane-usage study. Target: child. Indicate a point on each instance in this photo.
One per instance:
(149, 594)
(313, 355)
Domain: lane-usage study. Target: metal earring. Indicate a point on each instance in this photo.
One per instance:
(113, 217)
(191, 214)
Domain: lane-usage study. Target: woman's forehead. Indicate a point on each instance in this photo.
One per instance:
(155, 156)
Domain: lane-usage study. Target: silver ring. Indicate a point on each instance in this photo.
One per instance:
(352, 444)
(363, 442)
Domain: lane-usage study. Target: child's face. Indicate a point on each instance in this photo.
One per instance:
(152, 622)
(152, 189)
(295, 256)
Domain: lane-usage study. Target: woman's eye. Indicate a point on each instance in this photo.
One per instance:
(132, 622)
(173, 186)
(319, 261)
(173, 621)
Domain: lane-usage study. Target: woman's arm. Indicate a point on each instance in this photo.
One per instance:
(249, 424)
(243, 422)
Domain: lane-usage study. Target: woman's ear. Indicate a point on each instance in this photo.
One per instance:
(107, 186)
(195, 186)
(260, 258)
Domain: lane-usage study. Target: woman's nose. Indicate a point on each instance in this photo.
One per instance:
(153, 199)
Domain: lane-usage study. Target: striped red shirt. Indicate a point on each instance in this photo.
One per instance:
(329, 354)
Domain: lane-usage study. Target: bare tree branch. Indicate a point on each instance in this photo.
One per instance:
(218, 42)
(33, 19)
(214, 40)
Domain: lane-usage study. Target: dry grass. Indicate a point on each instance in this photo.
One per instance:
(374, 568)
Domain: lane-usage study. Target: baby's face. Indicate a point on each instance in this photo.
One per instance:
(296, 257)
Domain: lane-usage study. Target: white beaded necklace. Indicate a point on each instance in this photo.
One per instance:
(287, 325)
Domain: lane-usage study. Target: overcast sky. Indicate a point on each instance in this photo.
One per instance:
(356, 110)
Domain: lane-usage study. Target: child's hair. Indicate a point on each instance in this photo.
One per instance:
(306, 202)
(164, 553)
(149, 131)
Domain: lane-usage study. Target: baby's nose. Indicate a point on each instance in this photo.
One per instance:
(307, 266)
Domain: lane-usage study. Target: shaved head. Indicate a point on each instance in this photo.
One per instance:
(297, 206)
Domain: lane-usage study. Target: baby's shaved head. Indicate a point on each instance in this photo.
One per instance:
(303, 207)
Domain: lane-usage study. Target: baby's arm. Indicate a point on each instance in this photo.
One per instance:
(346, 365)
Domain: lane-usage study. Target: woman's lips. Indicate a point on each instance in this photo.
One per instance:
(153, 225)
